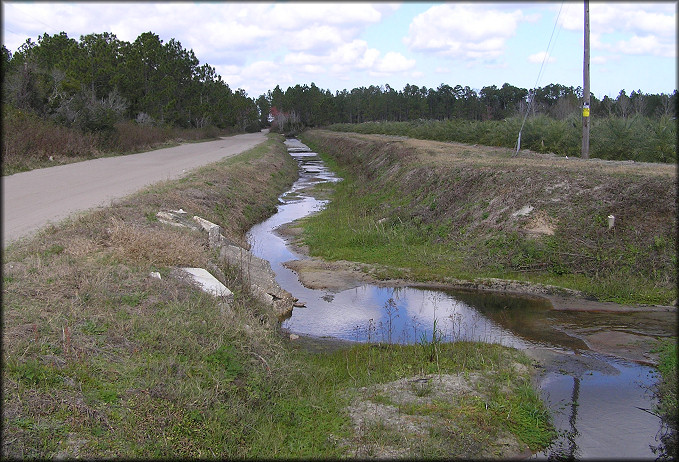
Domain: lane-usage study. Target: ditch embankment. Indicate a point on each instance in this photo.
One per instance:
(102, 360)
(454, 213)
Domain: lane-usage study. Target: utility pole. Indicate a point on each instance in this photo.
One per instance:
(585, 90)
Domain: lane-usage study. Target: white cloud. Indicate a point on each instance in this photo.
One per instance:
(648, 45)
(349, 58)
(652, 27)
(540, 57)
(257, 78)
(292, 16)
(603, 59)
(394, 62)
(463, 31)
(314, 38)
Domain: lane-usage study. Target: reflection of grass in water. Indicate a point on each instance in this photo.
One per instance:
(667, 395)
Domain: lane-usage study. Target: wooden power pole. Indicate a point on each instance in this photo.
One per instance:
(585, 90)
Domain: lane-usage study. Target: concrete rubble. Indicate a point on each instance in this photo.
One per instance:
(208, 283)
(256, 271)
(174, 218)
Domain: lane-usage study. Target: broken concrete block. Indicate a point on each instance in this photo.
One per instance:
(523, 211)
(208, 283)
(174, 219)
(261, 278)
(214, 231)
(205, 224)
(214, 237)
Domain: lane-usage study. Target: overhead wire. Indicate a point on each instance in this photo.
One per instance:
(531, 98)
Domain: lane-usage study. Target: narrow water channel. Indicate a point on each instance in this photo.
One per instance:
(600, 404)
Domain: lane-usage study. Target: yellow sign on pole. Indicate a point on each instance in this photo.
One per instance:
(585, 112)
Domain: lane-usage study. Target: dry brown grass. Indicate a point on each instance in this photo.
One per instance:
(147, 245)
(30, 142)
(95, 350)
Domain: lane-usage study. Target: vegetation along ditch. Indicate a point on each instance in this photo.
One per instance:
(365, 230)
(103, 360)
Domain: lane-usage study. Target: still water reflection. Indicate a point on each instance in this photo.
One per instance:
(599, 403)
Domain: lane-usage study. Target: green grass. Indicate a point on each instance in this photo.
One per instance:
(666, 392)
(348, 229)
(510, 402)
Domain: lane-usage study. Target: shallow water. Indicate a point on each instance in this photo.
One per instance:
(599, 403)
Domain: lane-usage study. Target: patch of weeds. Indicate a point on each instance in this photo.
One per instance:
(26, 423)
(666, 392)
(133, 299)
(33, 373)
(226, 359)
(107, 395)
(54, 249)
(91, 327)
(659, 243)
(151, 217)
(421, 388)
(381, 398)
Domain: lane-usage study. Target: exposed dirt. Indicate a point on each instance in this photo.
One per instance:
(404, 407)
(333, 276)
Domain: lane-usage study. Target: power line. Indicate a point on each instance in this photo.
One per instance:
(530, 99)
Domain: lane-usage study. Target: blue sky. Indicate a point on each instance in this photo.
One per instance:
(343, 45)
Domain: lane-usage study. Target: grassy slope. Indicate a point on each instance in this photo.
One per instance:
(100, 360)
(445, 210)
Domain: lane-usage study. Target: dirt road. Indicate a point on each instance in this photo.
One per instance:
(31, 200)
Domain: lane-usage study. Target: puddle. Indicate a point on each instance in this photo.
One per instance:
(599, 403)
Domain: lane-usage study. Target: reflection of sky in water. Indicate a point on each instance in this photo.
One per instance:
(362, 313)
(608, 419)
(365, 313)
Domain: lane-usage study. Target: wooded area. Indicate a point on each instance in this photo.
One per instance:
(99, 85)
(96, 81)
(316, 107)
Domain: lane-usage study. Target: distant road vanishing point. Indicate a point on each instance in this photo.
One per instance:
(32, 200)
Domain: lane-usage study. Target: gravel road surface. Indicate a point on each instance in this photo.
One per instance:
(32, 200)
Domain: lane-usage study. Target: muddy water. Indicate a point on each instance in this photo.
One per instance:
(599, 403)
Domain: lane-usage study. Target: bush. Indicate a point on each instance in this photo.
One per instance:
(30, 141)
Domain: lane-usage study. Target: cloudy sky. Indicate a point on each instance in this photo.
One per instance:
(256, 46)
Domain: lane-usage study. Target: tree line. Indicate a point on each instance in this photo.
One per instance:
(93, 82)
(312, 106)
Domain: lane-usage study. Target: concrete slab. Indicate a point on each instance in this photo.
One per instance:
(208, 282)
